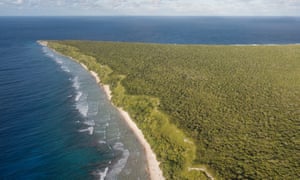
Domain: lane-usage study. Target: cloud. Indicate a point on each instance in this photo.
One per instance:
(18, 2)
(156, 7)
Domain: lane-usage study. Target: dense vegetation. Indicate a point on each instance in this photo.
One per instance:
(240, 105)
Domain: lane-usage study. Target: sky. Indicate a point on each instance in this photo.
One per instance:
(150, 7)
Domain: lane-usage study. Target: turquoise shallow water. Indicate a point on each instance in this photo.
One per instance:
(55, 122)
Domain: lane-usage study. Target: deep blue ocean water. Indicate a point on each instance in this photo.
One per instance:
(55, 122)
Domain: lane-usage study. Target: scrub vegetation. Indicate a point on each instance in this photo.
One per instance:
(231, 110)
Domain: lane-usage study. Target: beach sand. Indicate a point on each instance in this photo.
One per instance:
(153, 164)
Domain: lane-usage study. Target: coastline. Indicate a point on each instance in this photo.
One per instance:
(152, 163)
(179, 159)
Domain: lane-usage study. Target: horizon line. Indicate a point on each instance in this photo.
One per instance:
(149, 16)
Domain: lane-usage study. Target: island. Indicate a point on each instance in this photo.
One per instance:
(207, 111)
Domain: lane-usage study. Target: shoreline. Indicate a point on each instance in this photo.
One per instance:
(153, 168)
(152, 162)
(162, 133)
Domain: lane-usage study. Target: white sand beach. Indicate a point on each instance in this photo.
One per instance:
(153, 164)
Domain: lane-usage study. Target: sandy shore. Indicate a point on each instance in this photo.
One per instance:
(43, 43)
(153, 164)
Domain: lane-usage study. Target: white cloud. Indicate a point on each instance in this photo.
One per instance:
(19, 2)
(158, 7)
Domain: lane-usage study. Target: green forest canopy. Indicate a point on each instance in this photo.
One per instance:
(240, 105)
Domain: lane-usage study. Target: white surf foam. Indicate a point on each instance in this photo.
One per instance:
(78, 95)
(81, 103)
(51, 54)
(88, 109)
(76, 83)
(44, 49)
(83, 108)
(121, 163)
(102, 142)
(81, 99)
(89, 122)
(65, 68)
(59, 61)
(101, 174)
(89, 129)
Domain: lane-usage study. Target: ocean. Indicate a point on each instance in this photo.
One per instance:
(55, 121)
